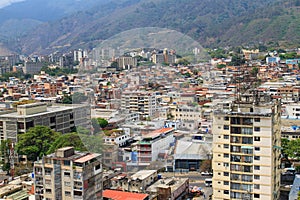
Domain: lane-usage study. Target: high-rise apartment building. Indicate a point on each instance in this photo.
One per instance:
(246, 150)
(68, 174)
(141, 102)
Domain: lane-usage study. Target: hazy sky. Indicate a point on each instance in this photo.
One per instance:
(4, 3)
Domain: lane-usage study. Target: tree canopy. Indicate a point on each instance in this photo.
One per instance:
(102, 122)
(36, 142)
(291, 148)
(65, 140)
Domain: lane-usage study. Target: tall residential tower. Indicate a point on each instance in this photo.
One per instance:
(246, 151)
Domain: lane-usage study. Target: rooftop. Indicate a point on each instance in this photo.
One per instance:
(173, 183)
(157, 133)
(50, 109)
(143, 174)
(86, 158)
(120, 195)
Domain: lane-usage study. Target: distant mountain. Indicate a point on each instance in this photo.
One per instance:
(210, 22)
(22, 16)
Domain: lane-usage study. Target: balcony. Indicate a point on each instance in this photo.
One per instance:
(247, 140)
(39, 182)
(241, 121)
(145, 155)
(78, 187)
(241, 187)
(241, 178)
(241, 168)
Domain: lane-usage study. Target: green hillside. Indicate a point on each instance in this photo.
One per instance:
(210, 22)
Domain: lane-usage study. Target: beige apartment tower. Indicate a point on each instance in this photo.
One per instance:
(246, 151)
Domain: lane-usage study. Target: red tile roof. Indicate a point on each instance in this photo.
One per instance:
(120, 195)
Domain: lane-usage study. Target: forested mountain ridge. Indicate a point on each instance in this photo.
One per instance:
(210, 22)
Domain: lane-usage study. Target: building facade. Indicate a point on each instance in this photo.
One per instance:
(154, 143)
(143, 103)
(68, 174)
(126, 62)
(246, 151)
(59, 118)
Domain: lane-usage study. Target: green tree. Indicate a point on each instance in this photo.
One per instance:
(36, 142)
(237, 60)
(114, 64)
(254, 71)
(220, 66)
(93, 143)
(95, 125)
(292, 148)
(5, 150)
(67, 99)
(81, 142)
(66, 140)
(183, 61)
(102, 122)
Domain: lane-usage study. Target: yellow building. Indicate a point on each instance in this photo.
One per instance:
(246, 151)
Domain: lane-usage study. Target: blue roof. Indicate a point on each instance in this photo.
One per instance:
(295, 188)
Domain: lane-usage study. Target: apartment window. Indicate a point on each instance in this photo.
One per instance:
(97, 167)
(226, 155)
(256, 138)
(226, 174)
(226, 136)
(226, 118)
(226, 146)
(226, 164)
(256, 119)
(256, 167)
(256, 157)
(257, 148)
(21, 125)
(226, 182)
(256, 186)
(256, 195)
(257, 177)
(67, 163)
(226, 127)
(67, 193)
(257, 129)
(52, 119)
(67, 174)
(226, 191)
(48, 191)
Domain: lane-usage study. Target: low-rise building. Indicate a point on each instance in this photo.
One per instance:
(137, 182)
(170, 188)
(59, 118)
(152, 144)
